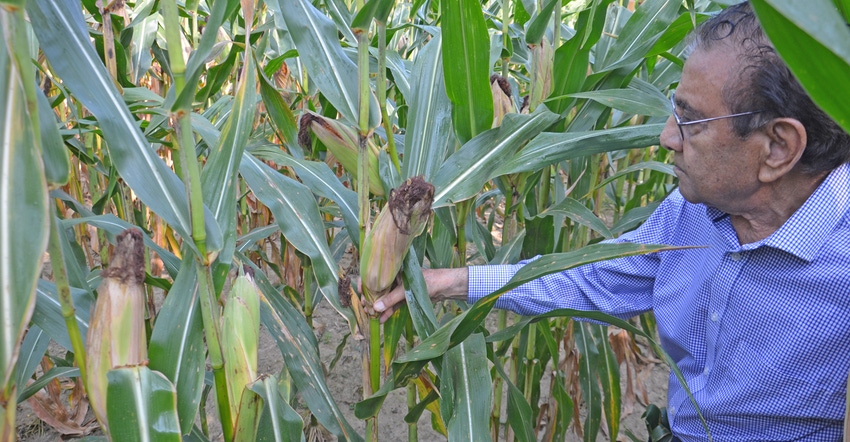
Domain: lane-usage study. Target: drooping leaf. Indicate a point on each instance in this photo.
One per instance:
(465, 172)
(640, 33)
(292, 334)
(57, 165)
(329, 68)
(588, 360)
(297, 214)
(64, 39)
(814, 30)
(48, 312)
(551, 148)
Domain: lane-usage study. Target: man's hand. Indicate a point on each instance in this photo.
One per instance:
(442, 284)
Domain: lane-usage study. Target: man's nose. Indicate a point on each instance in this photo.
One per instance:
(671, 137)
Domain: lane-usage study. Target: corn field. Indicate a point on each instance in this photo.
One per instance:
(180, 177)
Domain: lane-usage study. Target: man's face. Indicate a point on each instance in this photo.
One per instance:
(714, 165)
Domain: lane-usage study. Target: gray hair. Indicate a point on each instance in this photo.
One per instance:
(764, 82)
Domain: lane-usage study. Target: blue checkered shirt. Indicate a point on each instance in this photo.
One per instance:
(760, 331)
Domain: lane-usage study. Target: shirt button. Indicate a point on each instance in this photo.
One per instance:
(672, 410)
(735, 256)
(715, 317)
(705, 372)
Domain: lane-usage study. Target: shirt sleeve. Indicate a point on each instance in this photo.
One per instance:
(620, 287)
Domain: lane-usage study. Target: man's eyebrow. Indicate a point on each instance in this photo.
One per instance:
(687, 108)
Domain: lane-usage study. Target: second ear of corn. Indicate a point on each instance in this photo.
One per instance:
(342, 142)
(116, 335)
(401, 220)
(240, 326)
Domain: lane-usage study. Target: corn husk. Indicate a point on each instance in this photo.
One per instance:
(343, 143)
(116, 336)
(401, 220)
(543, 57)
(240, 339)
(502, 103)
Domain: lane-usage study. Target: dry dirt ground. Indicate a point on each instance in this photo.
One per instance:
(344, 382)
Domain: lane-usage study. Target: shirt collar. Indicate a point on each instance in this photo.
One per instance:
(810, 226)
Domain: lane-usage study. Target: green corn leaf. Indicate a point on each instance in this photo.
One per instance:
(539, 23)
(630, 101)
(466, 67)
(279, 422)
(279, 113)
(144, 32)
(32, 350)
(579, 213)
(23, 209)
(176, 346)
(608, 371)
(464, 173)
(142, 406)
(640, 33)
(644, 165)
(51, 375)
(48, 312)
(465, 389)
(329, 68)
(552, 148)
(248, 416)
(57, 165)
(64, 38)
(588, 359)
(373, 9)
(198, 58)
(297, 344)
(297, 214)
(322, 181)
(519, 415)
(429, 125)
(219, 176)
(814, 30)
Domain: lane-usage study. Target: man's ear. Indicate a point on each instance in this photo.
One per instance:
(786, 143)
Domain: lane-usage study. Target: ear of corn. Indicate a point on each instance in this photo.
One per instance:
(116, 336)
(343, 143)
(502, 103)
(541, 83)
(401, 220)
(240, 338)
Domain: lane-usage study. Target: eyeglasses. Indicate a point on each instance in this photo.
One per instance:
(681, 123)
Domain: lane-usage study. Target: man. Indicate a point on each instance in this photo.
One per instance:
(759, 320)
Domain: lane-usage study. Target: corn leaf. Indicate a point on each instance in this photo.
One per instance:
(142, 406)
(57, 165)
(334, 73)
(144, 32)
(640, 33)
(579, 213)
(279, 422)
(814, 30)
(552, 148)
(23, 210)
(608, 371)
(464, 173)
(465, 390)
(588, 359)
(429, 125)
(466, 67)
(48, 312)
(61, 31)
(33, 349)
(218, 178)
(630, 101)
(297, 214)
(519, 415)
(322, 181)
(292, 334)
(176, 346)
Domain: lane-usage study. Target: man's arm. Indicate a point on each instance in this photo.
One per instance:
(442, 284)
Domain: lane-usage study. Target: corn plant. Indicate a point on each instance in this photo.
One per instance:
(226, 153)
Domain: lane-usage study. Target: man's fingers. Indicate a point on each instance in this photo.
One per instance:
(389, 300)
